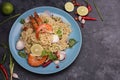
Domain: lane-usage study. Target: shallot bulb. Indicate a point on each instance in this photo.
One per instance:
(20, 45)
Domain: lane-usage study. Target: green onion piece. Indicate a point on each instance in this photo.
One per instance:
(11, 66)
(98, 11)
(22, 54)
(11, 17)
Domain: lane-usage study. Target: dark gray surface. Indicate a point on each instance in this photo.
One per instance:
(99, 58)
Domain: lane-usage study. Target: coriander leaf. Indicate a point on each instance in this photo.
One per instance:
(22, 21)
(22, 54)
(52, 56)
(72, 42)
(44, 53)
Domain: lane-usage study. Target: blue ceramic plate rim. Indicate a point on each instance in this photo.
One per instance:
(71, 53)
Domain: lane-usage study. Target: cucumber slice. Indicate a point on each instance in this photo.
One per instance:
(69, 6)
(82, 11)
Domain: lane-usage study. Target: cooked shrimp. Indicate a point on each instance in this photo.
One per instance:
(37, 18)
(34, 61)
(34, 23)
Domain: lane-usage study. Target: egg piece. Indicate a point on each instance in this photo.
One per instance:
(56, 62)
(55, 39)
(20, 45)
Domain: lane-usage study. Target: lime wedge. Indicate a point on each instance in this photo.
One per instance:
(69, 6)
(82, 11)
(36, 50)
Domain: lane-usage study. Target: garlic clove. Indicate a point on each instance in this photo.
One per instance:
(15, 75)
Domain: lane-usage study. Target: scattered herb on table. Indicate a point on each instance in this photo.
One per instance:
(98, 11)
(11, 17)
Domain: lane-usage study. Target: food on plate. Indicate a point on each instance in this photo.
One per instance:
(45, 38)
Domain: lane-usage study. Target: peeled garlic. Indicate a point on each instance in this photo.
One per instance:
(20, 45)
(15, 75)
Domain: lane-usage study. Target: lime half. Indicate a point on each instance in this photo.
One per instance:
(82, 10)
(36, 50)
(69, 6)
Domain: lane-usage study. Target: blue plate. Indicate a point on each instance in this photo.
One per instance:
(71, 53)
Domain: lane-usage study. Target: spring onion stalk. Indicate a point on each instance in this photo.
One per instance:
(98, 11)
(11, 66)
(9, 19)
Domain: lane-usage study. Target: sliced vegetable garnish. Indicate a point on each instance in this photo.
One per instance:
(72, 42)
(36, 49)
(82, 10)
(69, 6)
(22, 54)
(22, 21)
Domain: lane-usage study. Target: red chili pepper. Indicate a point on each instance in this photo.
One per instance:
(89, 8)
(89, 18)
(76, 4)
(46, 63)
(4, 71)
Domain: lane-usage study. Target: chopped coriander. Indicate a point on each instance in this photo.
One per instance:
(22, 21)
(44, 53)
(50, 54)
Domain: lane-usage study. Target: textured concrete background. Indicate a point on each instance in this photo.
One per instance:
(99, 58)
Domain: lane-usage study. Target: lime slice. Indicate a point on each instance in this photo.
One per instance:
(82, 11)
(69, 6)
(36, 50)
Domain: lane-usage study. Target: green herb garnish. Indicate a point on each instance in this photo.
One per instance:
(72, 42)
(50, 55)
(22, 54)
(22, 21)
